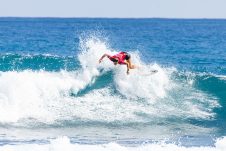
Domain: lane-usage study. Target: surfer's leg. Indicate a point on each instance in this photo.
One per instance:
(131, 66)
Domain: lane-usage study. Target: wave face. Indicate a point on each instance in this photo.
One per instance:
(51, 84)
(19, 62)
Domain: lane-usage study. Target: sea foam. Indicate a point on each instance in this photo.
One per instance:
(63, 143)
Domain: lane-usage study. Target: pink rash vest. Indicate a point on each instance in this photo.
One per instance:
(120, 57)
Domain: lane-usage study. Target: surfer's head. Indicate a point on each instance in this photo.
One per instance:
(127, 57)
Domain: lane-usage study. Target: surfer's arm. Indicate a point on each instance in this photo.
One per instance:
(105, 55)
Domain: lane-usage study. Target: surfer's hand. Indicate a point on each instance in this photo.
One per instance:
(127, 72)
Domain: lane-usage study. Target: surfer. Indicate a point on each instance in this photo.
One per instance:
(122, 58)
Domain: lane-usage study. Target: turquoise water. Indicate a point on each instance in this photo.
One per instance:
(51, 84)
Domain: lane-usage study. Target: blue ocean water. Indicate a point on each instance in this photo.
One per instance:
(55, 95)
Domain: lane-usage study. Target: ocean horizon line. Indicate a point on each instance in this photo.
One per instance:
(135, 18)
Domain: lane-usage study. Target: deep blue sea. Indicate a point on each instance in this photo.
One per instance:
(54, 95)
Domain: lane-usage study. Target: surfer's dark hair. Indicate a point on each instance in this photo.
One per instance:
(127, 56)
